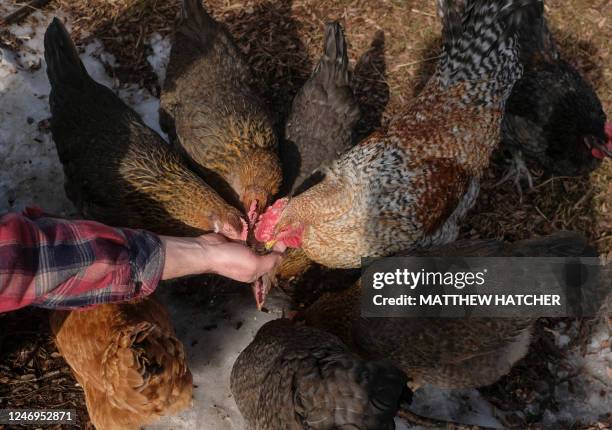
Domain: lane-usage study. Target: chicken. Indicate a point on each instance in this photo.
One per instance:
(553, 115)
(119, 171)
(128, 361)
(321, 126)
(409, 184)
(209, 101)
(324, 112)
(447, 352)
(294, 377)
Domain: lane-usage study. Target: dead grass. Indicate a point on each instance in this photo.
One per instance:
(393, 45)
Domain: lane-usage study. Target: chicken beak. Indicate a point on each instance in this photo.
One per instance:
(599, 149)
(261, 288)
(270, 244)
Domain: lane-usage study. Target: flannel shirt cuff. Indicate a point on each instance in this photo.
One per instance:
(147, 259)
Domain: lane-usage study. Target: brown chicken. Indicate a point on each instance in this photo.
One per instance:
(209, 103)
(409, 184)
(128, 361)
(119, 171)
(293, 377)
(448, 352)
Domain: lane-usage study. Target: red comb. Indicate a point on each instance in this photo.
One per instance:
(264, 230)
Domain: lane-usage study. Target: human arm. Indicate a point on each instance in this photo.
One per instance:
(56, 263)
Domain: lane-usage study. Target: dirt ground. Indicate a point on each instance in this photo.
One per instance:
(393, 45)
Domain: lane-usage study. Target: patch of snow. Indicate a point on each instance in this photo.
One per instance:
(457, 406)
(214, 330)
(160, 56)
(30, 171)
(582, 394)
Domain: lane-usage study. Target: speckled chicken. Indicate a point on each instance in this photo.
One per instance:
(409, 184)
(324, 112)
(553, 115)
(128, 361)
(210, 103)
(117, 170)
(293, 377)
(448, 352)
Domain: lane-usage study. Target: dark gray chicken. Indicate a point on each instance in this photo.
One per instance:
(451, 352)
(119, 171)
(321, 126)
(293, 377)
(323, 114)
(553, 115)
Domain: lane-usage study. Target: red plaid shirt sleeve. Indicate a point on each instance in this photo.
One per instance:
(60, 264)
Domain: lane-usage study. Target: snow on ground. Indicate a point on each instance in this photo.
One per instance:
(30, 173)
(585, 381)
(215, 328)
(161, 55)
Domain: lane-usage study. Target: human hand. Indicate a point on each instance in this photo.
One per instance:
(214, 253)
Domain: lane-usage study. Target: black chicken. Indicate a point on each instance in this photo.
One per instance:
(553, 115)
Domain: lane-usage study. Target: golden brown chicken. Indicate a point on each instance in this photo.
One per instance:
(293, 377)
(118, 171)
(128, 361)
(209, 103)
(447, 352)
(409, 184)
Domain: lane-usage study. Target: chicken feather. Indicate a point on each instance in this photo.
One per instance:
(128, 361)
(409, 184)
(447, 352)
(119, 171)
(293, 377)
(210, 104)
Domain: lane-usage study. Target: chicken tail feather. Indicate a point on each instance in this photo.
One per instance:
(63, 63)
(144, 371)
(195, 22)
(481, 43)
(334, 64)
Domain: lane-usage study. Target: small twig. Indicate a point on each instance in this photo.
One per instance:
(423, 13)
(413, 63)
(51, 374)
(554, 178)
(24, 11)
(541, 213)
(601, 239)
